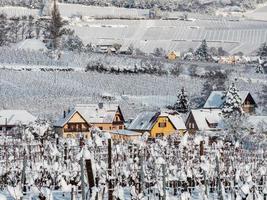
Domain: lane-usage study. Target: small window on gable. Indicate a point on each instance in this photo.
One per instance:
(117, 118)
(162, 124)
(191, 125)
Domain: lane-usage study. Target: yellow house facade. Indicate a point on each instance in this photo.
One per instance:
(158, 124)
(172, 55)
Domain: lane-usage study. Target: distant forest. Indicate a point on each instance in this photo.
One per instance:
(205, 6)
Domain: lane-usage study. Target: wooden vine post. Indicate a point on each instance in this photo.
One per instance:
(110, 186)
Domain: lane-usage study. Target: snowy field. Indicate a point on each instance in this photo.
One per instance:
(258, 14)
(233, 36)
(70, 10)
(13, 11)
(52, 92)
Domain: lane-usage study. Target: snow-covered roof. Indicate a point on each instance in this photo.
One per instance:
(13, 117)
(146, 120)
(125, 132)
(31, 44)
(204, 117)
(92, 113)
(216, 99)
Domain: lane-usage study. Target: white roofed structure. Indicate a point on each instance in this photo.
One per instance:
(204, 120)
(146, 120)
(14, 117)
(92, 113)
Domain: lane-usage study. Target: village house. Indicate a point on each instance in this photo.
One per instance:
(204, 120)
(82, 117)
(12, 118)
(216, 101)
(172, 55)
(158, 124)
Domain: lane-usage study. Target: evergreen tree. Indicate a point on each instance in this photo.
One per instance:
(202, 53)
(264, 98)
(4, 29)
(262, 52)
(182, 104)
(55, 28)
(232, 105)
(215, 80)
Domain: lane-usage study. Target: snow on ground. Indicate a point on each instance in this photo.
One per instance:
(69, 10)
(260, 13)
(15, 11)
(31, 44)
(24, 67)
(51, 92)
(233, 36)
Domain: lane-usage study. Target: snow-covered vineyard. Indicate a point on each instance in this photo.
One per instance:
(92, 152)
(177, 167)
(133, 100)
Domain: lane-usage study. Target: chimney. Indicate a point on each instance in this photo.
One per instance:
(100, 105)
(64, 114)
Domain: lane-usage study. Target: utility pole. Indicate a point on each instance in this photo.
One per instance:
(23, 176)
(205, 182)
(219, 179)
(110, 187)
(141, 172)
(82, 177)
(164, 181)
(90, 174)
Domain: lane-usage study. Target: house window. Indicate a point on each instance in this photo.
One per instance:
(162, 124)
(120, 127)
(100, 127)
(159, 135)
(79, 127)
(213, 125)
(191, 125)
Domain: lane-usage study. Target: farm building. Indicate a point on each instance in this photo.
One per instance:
(204, 120)
(83, 116)
(173, 55)
(158, 124)
(11, 118)
(216, 100)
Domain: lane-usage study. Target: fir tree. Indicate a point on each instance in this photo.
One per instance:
(264, 98)
(262, 52)
(182, 104)
(4, 28)
(232, 105)
(55, 28)
(202, 53)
